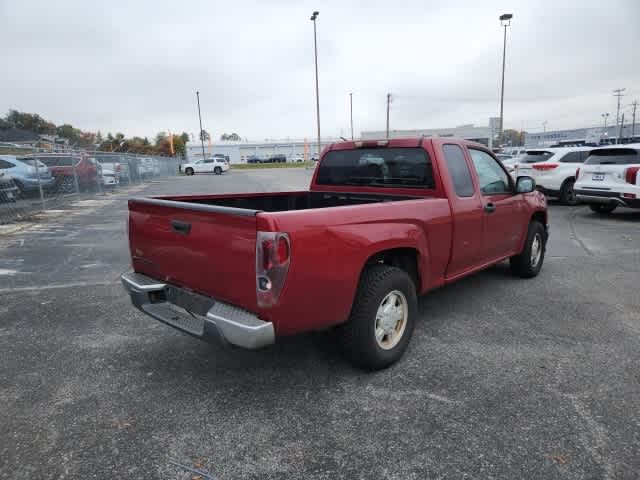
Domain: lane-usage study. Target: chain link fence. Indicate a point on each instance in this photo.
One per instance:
(33, 180)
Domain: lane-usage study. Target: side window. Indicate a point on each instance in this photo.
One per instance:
(573, 157)
(491, 176)
(583, 156)
(4, 164)
(209, 160)
(458, 169)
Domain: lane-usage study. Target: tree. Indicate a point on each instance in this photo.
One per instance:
(204, 136)
(513, 138)
(184, 137)
(232, 137)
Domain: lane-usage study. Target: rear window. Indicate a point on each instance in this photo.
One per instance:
(380, 167)
(613, 156)
(535, 156)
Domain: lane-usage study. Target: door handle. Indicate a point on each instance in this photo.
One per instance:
(490, 207)
(179, 226)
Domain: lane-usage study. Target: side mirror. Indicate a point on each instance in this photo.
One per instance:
(525, 184)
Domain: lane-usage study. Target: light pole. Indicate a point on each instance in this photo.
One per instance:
(388, 103)
(200, 118)
(605, 116)
(351, 112)
(314, 16)
(505, 21)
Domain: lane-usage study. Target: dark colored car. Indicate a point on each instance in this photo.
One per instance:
(278, 158)
(254, 159)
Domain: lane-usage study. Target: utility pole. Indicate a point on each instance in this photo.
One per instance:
(351, 112)
(618, 93)
(505, 21)
(314, 16)
(633, 121)
(621, 127)
(201, 131)
(388, 103)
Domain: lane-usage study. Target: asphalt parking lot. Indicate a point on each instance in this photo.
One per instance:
(504, 378)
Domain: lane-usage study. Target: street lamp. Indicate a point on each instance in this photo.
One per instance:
(605, 116)
(314, 16)
(505, 21)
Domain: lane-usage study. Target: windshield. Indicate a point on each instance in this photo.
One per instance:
(535, 156)
(383, 167)
(613, 156)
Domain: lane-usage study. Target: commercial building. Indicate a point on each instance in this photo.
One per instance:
(471, 132)
(582, 136)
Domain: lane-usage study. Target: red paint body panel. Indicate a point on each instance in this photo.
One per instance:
(330, 245)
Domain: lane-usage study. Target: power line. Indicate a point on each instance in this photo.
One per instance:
(618, 93)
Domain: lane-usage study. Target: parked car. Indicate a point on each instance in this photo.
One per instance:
(277, 158)
(554, 170)
(25, 174)
(208, 165)
(145, 167)
(352, 252)
(118, 164)
(8, 189)
(254, 159)
(65, 168)
(610, 178)
(109, 178)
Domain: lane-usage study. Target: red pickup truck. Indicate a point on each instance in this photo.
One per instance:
(382, 222)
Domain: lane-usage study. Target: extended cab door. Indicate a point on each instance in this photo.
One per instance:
(466, 211)
(503, 210)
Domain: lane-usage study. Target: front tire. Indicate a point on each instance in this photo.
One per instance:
(602, 208)
(528, 263)
(188, 171)
(382, 318)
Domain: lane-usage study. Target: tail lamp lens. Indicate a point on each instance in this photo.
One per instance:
(544, 166)
(273, 256)
(631, 175)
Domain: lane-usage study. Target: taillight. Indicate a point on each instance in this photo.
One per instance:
(544, 166)
(273, 256)
(577, 173)
(631, 175)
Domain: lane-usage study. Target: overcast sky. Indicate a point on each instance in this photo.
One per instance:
(134, 66)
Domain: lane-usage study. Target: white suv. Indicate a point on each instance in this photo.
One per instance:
(554, 170)
(610, 178)
(215, 165)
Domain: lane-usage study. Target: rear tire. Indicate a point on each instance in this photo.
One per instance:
(217, 171)
(382, 318)
(602, 208)
(528, 263)
(188, 171)
(567, 194)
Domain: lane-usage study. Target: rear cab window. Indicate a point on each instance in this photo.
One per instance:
(399, 167)
(614, 156)
(458, 170)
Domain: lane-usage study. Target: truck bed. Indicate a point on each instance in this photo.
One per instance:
(282, 201)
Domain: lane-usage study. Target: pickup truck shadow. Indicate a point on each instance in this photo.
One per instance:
(307, 355)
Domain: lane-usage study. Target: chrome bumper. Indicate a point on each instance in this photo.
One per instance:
(196, 314)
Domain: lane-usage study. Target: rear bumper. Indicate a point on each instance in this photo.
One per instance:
(608, 198)
(197, 315)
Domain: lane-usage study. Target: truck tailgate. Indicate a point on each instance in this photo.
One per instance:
(204, 248)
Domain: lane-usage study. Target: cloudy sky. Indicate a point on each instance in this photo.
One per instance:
(134, 66)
